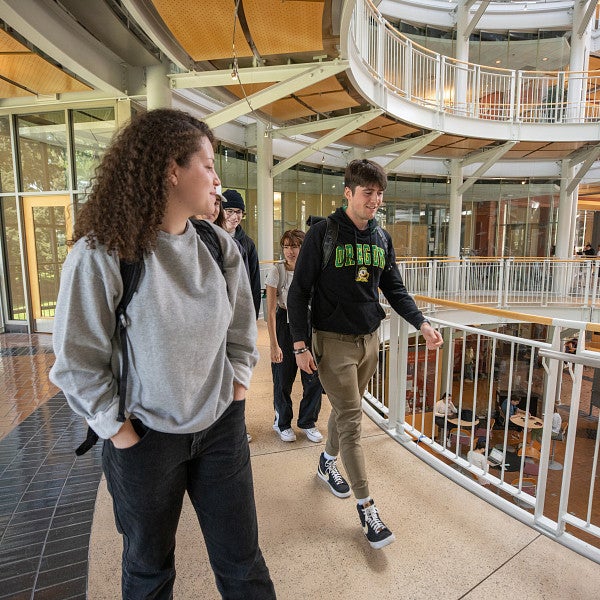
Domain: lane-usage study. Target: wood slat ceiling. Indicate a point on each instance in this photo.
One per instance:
(25, 73)
(204, 29)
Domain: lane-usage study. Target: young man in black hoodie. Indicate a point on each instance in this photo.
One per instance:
(345, 316)
(234, 207)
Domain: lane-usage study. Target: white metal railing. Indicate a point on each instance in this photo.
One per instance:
(466, 89)
(410, 379)
(506, 282)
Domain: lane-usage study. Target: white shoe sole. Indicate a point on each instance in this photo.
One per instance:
(382, 543)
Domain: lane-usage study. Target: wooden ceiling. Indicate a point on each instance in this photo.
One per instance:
(265, 32)
(25, 73)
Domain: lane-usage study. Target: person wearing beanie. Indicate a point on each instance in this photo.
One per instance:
(234, 207)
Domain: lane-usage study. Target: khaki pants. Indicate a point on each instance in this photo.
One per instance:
(346, 364)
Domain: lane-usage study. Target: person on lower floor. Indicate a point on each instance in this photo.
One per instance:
(444, 410)
(283, 361)
(344, 261)
(477, 458)
(178, 425)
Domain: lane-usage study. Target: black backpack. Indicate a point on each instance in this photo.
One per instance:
(130, 274)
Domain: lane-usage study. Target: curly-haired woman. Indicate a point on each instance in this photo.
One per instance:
(189, 365)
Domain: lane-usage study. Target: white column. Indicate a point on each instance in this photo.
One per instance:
(462, 53)
(566, 220)
(264, 192)
(158, 90)
(454, 226)
(578, 61)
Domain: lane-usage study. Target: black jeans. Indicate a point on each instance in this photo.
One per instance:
(284, 374)
(148, 482)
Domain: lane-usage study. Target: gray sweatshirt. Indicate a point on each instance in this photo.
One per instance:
(192, 333)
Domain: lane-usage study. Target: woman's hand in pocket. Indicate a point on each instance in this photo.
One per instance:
(125, 437)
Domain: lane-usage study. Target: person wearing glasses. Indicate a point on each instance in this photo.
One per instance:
(234, 207)
(283, 361)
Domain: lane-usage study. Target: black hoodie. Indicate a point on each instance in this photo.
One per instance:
(346, 296)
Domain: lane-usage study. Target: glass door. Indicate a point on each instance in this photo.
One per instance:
(48, 226)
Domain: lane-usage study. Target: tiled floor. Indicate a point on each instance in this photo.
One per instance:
(451, 544)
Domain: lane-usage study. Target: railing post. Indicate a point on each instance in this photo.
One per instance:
(380, 67)
(407, 69)
(431, 279)
(397, 373)
(505, 290)
(439, 82)
(515, 97)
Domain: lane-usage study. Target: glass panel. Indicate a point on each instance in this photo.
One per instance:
(7, 176)
(14, 274)
(43, 152)
(50, 230)
(93, 129)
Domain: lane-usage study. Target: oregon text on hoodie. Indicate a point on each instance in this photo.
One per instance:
(346, 292)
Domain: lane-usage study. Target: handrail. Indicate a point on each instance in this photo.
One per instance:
(511, 314)
(409, 379)
(451, 86)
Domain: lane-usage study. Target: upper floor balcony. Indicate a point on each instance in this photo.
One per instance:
(441, 93)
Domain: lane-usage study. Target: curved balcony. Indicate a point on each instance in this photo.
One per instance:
(544, 480)
(438, 92)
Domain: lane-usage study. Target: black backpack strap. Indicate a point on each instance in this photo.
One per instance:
(208, 235)
(329, 241)
(384, 241)
(130, 274)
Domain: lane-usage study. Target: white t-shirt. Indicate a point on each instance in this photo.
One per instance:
(556, 422)
(478, 460)
(440, 408)
(281, 279)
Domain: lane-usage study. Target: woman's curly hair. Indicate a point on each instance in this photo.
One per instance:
(129, 192)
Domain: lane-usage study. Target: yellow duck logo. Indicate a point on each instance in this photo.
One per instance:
(363, 275)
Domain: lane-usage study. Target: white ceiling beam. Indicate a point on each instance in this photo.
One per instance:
(585, 167)
(585, 19)
(245, 76)
(412, 149)
(327, 139)
(312, 126)
(475, 18)
(49, 28)
(479, 156)
(493, 156)
(410, 145)
(274, 92)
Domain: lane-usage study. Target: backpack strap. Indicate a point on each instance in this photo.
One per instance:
(130, 274)
(208, 235)
(384, 242)
(329, 241)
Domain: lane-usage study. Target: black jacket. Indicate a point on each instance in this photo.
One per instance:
(346, 291)
(251, 255)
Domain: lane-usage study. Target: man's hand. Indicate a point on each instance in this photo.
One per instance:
(433, 337)
(125, 437)
(306, 362)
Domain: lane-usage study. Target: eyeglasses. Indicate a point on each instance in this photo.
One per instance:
(238, 212)
(289, 247)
